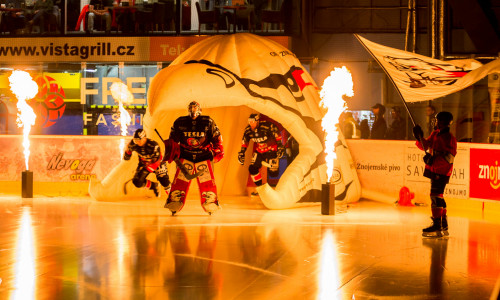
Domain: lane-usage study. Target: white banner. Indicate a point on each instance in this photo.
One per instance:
(391, 165)
(421, 78)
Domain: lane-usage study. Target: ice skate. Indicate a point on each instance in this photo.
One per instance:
(434, 230)
(174, 206)
(211, 207)
(155, 187)
(444, 225)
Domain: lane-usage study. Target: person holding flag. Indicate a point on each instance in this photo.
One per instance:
(441, 149)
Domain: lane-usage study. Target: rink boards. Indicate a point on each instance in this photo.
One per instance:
(390, 165)
(63, 165)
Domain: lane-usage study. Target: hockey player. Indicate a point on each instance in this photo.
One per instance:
(441, 148)
(150, 160)
(268, 148)
(200, 146)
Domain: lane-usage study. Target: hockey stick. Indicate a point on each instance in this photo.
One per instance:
(183, 169)
(125, 186)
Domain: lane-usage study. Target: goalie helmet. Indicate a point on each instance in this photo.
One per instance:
(194, 109)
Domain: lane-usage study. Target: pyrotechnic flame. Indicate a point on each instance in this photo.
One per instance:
(335, 86)
(24, 88)
(122, 94)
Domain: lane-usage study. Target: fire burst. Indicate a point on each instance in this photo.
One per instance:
(24, 88)
(122, 95)
(335, 86)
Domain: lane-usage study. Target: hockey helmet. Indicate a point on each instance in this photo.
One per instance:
(194, 109)
(253, 121)
(254, 118)
(444, 117)
(139, 134)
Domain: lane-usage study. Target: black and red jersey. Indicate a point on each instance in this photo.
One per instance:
(443, 147)
(264, 136)
(148, 153)
(197, 138)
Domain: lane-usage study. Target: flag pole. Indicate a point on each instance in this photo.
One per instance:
(386, 73)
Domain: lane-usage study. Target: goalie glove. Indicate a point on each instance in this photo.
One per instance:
(172, 150)
(218, 154)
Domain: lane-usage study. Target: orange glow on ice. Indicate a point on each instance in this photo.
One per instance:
(24, 88)
(329, 274)
(335, 86)
(122, 95)
(25, 276)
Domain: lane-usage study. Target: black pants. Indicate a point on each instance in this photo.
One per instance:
(270, 157)
(141, 173)
(438, 184)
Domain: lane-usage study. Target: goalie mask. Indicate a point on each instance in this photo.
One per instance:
(194, 109)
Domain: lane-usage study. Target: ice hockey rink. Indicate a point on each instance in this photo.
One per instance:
(77, 248)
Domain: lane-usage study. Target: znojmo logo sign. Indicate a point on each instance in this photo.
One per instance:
(484, 174)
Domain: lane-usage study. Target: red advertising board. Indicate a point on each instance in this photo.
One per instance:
(484, 174)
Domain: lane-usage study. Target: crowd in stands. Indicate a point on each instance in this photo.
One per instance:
(396, 130)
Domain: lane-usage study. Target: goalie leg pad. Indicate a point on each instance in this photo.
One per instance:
(180, 187)
(208, 189)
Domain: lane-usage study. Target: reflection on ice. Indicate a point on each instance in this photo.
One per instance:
(60, 248)
(329, 279)
(25, 260)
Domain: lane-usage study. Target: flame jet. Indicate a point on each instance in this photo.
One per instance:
(23, 86)
(122, 95)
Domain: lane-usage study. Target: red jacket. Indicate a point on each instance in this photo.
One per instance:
(443, 147)
(82, 18)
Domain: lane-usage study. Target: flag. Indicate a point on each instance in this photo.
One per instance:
(421, 78)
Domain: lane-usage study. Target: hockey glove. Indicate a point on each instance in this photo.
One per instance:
(241, 157)
(153, 166)
(418, 133)
(280, 152)
(127, 156)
